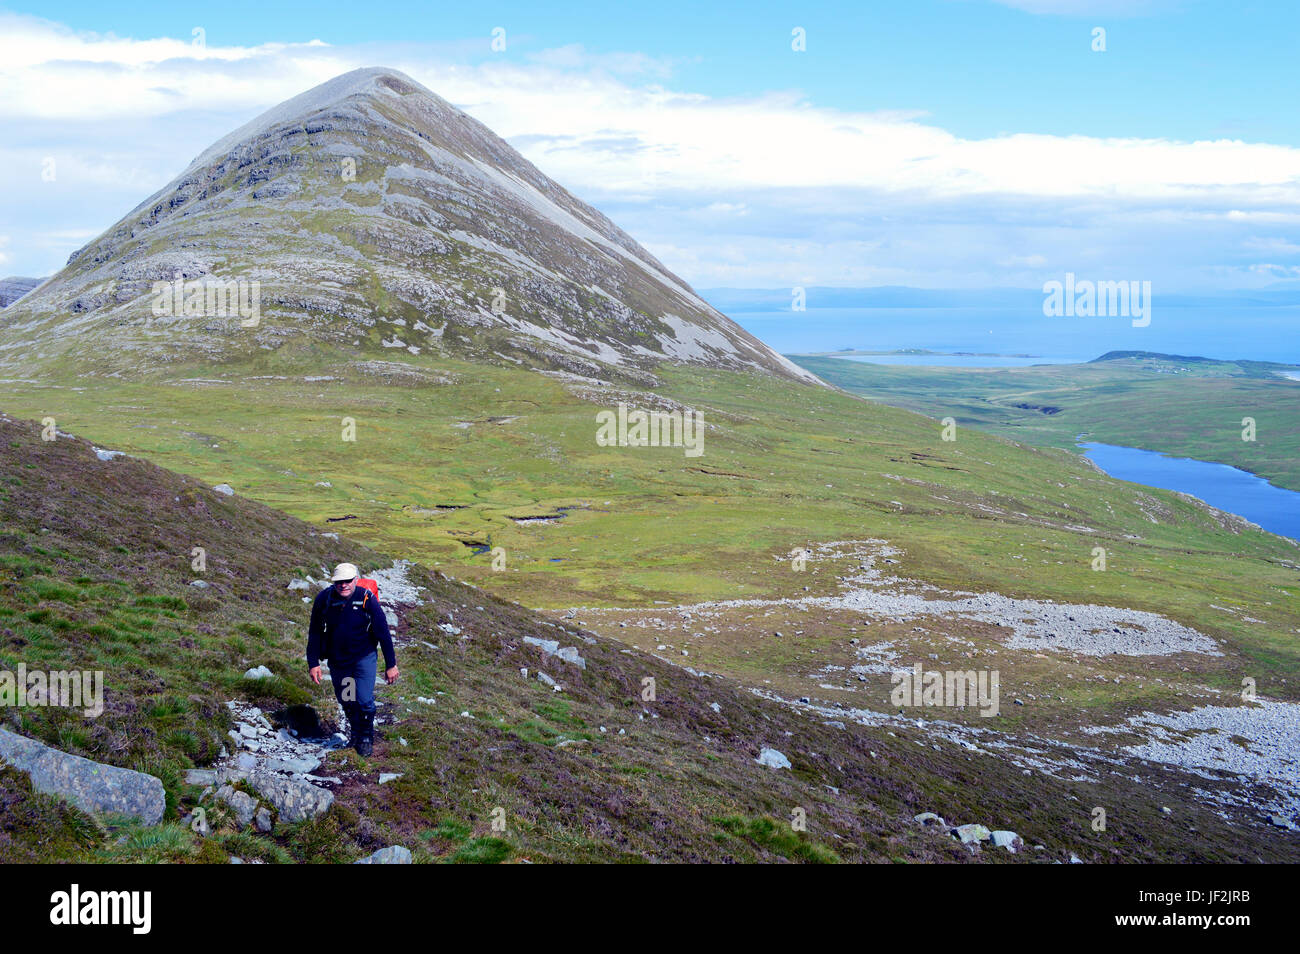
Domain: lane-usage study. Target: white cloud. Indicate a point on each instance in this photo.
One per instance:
(726, 191)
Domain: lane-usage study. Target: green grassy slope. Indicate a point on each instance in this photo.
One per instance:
(784, 466)
(95, 558)
(1188, 407)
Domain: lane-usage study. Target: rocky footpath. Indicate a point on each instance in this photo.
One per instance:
(278, 763)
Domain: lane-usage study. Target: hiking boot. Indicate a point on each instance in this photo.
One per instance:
(354, 724)
(366, 737)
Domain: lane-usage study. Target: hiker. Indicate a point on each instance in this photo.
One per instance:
(346, 624)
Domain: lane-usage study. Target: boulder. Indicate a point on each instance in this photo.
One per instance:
(1008, 840)
(971, 834)
(927, 818)
(261, 672)
(570, 655)
(92, 786)
(392, 855)
(773, 759)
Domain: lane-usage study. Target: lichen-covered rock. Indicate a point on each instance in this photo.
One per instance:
(971, 834)
(92, 786)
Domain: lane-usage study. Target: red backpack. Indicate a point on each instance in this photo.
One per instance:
(371, 585)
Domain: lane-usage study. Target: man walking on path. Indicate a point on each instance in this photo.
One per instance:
(346, 624)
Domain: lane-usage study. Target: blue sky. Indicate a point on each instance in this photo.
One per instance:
(934, 143)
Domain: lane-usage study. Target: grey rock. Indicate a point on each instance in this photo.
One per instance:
(224, 489)
(293, 765)
(92, 786)
(199, 584)
(260, 672)
(570, 655)
(200, 776)
(1008, 840)
(243, 804)
(925, 818)
(386, 777)
(772, 759)
(971, 834)
(262, 820)
(392, 855)
(294, 800)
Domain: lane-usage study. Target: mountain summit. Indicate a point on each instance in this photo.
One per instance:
(370, 213)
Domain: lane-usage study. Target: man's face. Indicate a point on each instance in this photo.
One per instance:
(345, 587)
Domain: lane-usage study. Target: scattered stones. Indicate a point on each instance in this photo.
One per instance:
(294, 800)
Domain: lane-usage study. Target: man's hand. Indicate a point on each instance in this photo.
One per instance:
(315, 675)
(391, 675)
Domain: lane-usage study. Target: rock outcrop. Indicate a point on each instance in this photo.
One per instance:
(93, 787)
(13, 288)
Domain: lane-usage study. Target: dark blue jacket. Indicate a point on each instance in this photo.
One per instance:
(344, 630)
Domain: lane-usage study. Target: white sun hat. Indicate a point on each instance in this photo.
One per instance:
(345, 571)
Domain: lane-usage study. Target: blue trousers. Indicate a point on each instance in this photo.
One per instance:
(361, 688)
